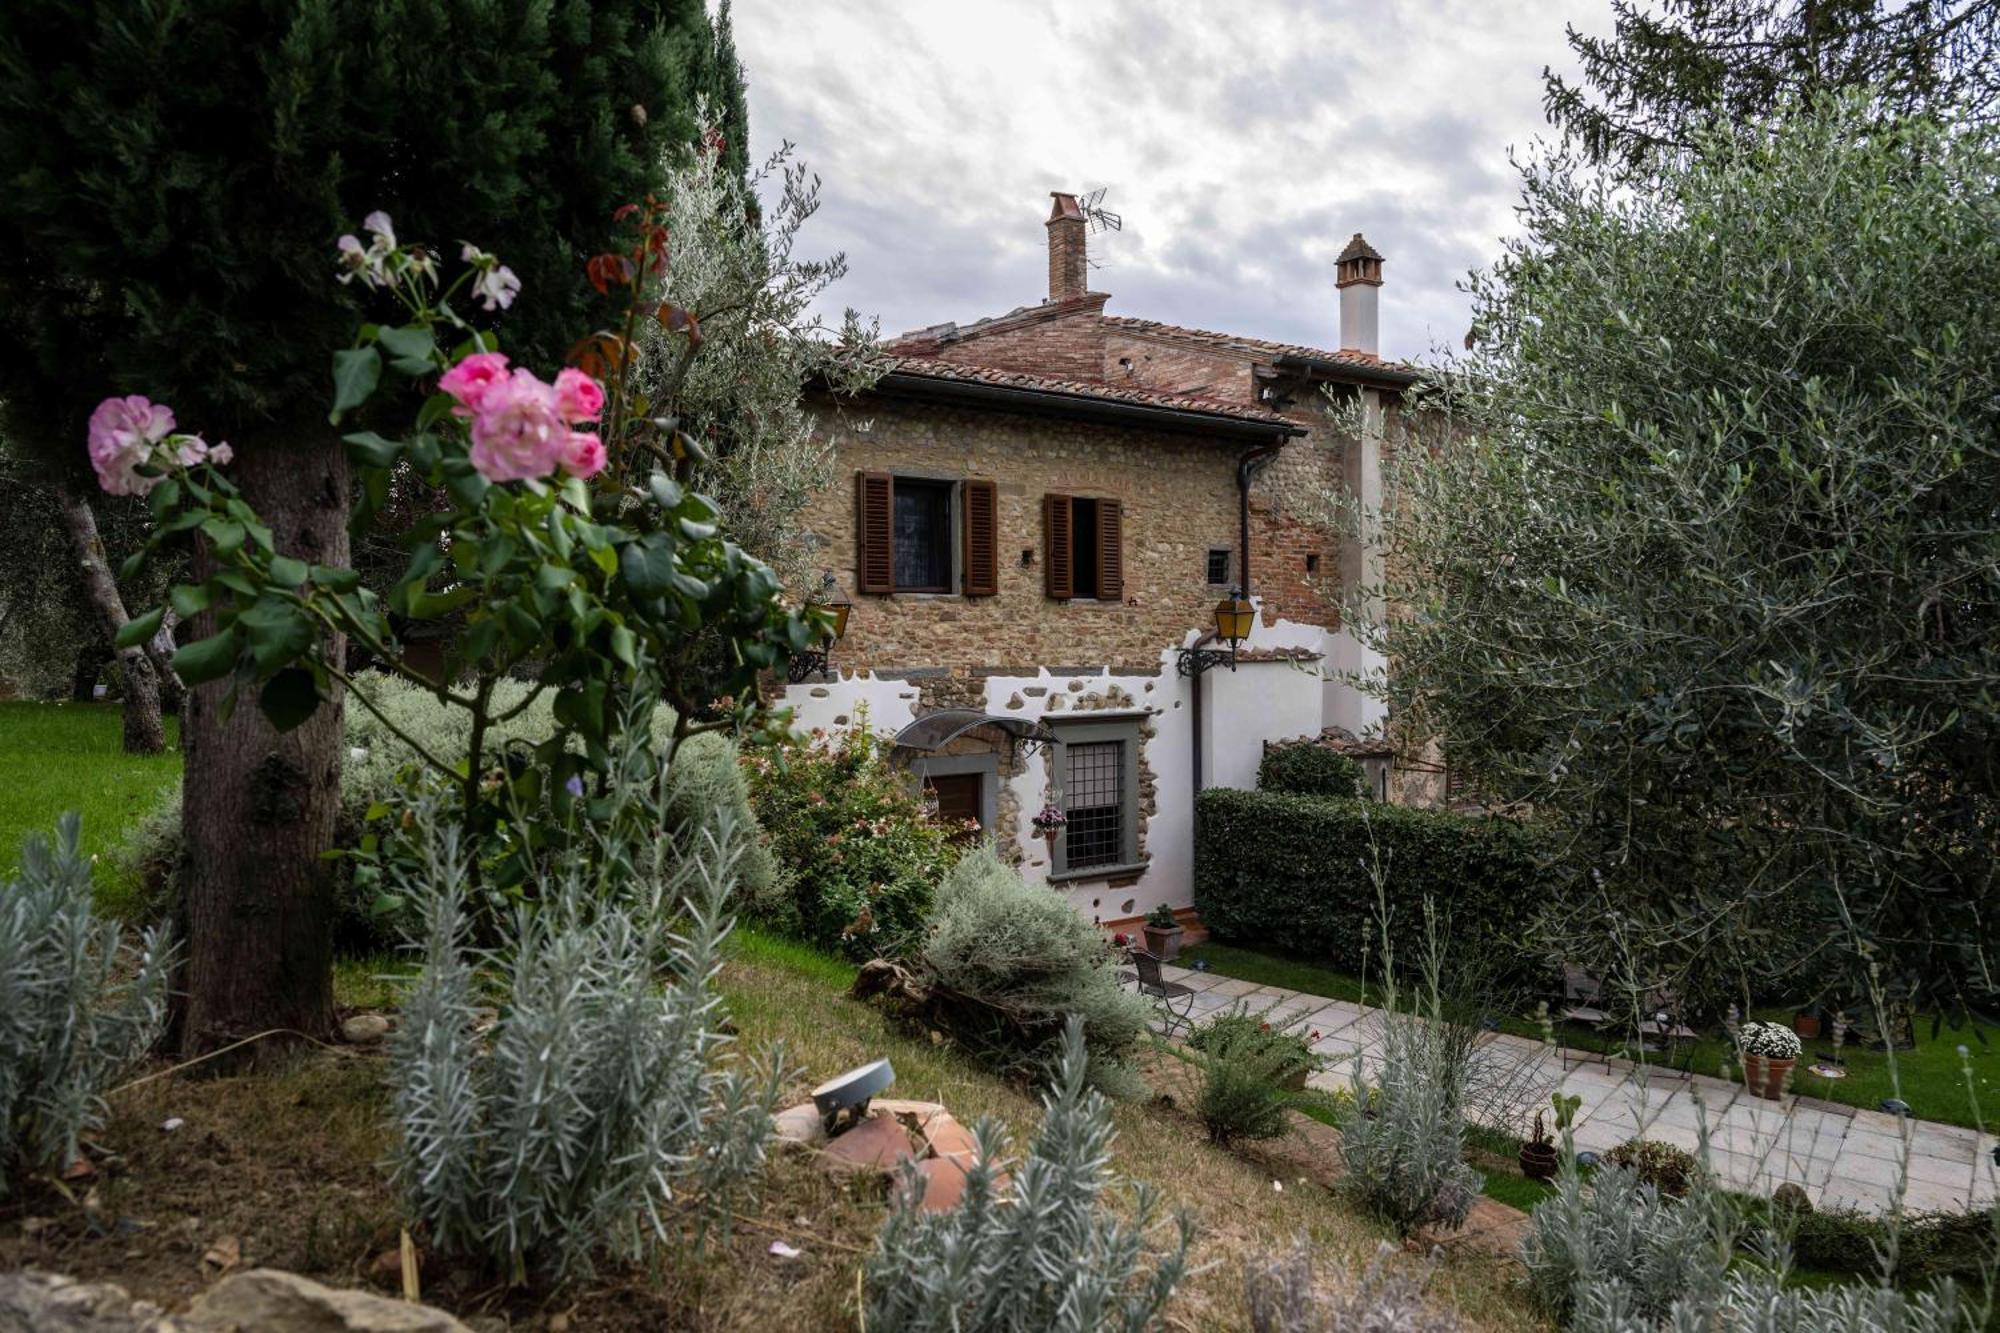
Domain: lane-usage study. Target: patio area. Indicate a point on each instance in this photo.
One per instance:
(1844, 1157)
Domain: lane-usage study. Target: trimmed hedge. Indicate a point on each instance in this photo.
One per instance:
(1306, 768)
(1292, 873)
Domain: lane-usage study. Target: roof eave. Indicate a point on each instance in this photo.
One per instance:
(1347, 371)
(1076, 406)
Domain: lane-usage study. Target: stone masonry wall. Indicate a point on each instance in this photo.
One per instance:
(1178, 496)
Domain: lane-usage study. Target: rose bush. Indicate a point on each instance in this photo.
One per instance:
(562, 540)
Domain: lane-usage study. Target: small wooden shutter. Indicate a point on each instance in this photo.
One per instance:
(1110, 552)
(875, 531)
(981, 526)
(1057, 557)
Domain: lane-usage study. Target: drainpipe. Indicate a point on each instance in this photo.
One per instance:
(1247, 468)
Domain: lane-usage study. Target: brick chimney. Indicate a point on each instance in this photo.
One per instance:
(1068, 271)
(1358, 275)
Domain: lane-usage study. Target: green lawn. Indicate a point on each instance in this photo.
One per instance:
(57, 757)
(1932, 1078)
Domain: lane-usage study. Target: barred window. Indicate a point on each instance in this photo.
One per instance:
(1097, 762)
(1095, 804)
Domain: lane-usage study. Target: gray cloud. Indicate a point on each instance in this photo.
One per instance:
(1243, 140)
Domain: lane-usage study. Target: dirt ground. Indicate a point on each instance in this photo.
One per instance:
(281, 1168)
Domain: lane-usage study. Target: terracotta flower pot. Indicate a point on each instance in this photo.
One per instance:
(1538, 1161)
(1806, 1025)
(1164, 945)
(1776, 1071)
(1753, 1072)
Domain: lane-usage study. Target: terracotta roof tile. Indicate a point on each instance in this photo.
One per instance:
(1252, 346)
(1179, 402)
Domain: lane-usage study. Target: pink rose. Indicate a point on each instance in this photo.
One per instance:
(469, 380)
(583, 456)
(579, 397)
(517, 432)
(123, 432)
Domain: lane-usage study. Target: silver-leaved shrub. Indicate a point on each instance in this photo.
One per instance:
(1403, 1144)
(1041, 1250)
(1386, 1297)
(567, 1096)
(1612, 1255)
(78, 1004)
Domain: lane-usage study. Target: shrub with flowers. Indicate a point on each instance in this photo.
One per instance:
(861, 862)
(1773, 1041)
(563, 538)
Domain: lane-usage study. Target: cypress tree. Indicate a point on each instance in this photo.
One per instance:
(1667, 69)
(173, 177)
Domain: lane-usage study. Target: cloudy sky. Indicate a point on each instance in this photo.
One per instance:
(1243, 141)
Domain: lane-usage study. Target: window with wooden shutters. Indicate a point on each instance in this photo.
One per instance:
(1058, 548)
(1084, 547)
(980, 523)
(874, 531)
(1110, 551)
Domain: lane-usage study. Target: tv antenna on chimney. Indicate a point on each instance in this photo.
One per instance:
(1096, 215)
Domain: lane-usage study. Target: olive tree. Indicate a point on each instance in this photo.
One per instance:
(1696, 553)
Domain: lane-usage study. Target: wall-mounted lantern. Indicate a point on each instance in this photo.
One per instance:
(813, 661)
(1233, 617)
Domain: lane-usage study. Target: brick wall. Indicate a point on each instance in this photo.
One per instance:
(1064, 340)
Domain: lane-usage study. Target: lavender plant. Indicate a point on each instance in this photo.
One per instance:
(598, 1114)
(1283, 1297)
(77, 1004)
(1404, 1143)
(1040, 1252)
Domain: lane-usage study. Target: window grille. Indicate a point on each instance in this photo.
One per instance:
(1095, 804)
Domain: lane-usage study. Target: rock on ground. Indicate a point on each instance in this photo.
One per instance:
(263, 1299)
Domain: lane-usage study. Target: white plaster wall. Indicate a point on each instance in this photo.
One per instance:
(1259, 701)
(835, 705)
(1344, 705)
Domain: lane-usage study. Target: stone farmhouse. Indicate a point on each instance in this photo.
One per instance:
(1034, 520)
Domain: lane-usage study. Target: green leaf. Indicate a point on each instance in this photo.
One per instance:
(623, 644)
(189, 600)
(288, 572)
(648, 565)
(208, 659)
(226, 534)
(163, 498)
(288, 698)
(356, 372)
(371, 450)
(138, 631)
(277, 631)
(412, 342)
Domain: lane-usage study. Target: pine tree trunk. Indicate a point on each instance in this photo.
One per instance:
(258, 806)
(144, 733)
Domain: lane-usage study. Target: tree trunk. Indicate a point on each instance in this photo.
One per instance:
(258, 806)
(143, 731)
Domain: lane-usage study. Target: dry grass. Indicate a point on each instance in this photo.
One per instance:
(286, 1161)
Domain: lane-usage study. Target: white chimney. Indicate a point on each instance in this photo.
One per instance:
(1358, 275)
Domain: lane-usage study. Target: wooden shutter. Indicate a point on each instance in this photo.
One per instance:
(1110, 552)
(981, 526)
(875, 531)
(1058, 559)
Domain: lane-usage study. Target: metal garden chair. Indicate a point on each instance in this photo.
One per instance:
(1175, 1001)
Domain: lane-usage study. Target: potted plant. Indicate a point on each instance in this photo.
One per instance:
(1769, 1051)
(1806, 1023)
(1049, 822)
(1538, 1154)
(1163, 933)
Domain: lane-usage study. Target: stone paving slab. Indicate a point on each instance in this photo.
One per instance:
(1845, 1157)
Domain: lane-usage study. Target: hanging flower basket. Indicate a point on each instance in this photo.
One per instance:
(1049, 823)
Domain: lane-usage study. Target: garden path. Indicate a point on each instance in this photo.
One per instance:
(1843, 1157)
